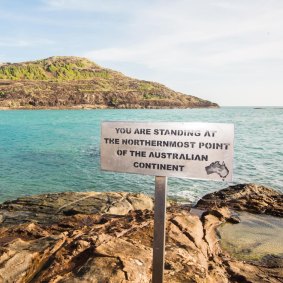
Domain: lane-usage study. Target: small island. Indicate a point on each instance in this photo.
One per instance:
(63, 82)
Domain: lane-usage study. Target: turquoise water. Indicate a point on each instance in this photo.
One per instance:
(49, 151)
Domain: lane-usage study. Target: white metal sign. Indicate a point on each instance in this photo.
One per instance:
(192, 150)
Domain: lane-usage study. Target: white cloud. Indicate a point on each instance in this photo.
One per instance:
(24, 42)
(2, 58)
(262, 51)
(207, 46)
(92, 5)
(170, 36)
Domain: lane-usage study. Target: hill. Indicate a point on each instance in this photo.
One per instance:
(74, 82)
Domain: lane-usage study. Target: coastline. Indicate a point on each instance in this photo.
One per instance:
(92, 236)
(93, 107)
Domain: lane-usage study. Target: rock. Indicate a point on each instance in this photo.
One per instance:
(272, 261)
(21, 260)
(247, 197)
(108, 237)
(50, 208)
(243, 272)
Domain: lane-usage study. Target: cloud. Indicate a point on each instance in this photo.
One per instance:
(2, 58)
(226, 51)
(222, 33)
(263, 51)
(93, 5)
(24, 42)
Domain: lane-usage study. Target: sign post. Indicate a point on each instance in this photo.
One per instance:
(185, 150)
(159, 229)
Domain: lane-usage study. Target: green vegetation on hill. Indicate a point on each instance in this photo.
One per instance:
(54, 68)
(67, 82)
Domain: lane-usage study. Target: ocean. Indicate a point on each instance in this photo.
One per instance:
(47, 151)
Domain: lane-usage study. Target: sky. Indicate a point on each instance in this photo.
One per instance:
(226, 51)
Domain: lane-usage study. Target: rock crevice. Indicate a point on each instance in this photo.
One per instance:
(109, 239)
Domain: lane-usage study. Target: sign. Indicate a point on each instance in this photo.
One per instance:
(192, 150)
(189, 150)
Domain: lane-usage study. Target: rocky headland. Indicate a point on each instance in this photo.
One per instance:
(63, 82)
(107, 237)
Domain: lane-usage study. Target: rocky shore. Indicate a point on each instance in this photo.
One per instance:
(107, 237)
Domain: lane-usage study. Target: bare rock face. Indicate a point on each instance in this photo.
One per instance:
(50, 208)
(21, 259)
(245, 197)
(107, 237)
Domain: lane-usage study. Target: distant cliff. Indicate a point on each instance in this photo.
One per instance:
(73, 82)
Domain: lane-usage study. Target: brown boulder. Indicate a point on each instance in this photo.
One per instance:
(245, 197)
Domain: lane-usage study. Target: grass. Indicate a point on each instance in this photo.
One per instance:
(145, 86)
(56, 70)
(2, 94)
(150, 96)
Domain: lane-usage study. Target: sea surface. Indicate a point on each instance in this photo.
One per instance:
(45, 151)
(254, 237)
